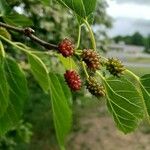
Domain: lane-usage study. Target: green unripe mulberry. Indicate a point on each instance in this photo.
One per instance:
(95, 88)
(115, 67)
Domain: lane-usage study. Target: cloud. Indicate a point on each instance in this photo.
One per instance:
(129, 16)
(128, 10)
(128, 26)
(144, 2)
(142, 22)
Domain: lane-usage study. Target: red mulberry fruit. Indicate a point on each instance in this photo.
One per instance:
(66, 47)
(73, 80)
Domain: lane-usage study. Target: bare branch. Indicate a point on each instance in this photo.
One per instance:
(28, 32)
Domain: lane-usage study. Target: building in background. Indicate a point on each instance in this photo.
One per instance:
(124, 51)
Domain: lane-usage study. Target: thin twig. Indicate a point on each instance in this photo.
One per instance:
(28, 32)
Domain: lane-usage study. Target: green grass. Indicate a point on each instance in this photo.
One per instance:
(138, 60)
(140, 71)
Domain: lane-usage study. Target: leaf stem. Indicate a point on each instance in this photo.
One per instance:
(21, 48)
(77, 53)
(70, 63)
(91, 34)
(134, 75)
(79, 37)
(21, 44)
(2, 52)
(85, 71)
(100, 75)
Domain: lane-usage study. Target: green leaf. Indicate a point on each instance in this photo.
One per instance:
(4, 8)
(39, 71)
(17, 20)
(2, 53)
(46, 2)
(124, 102)
(68, 62)
(145, 87)
(4, 92)
(66, 89)
(18, 93)
(83, 8)
(90, 19)
(5, 33)
(62, 114)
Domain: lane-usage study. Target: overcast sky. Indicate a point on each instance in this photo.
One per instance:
(129, 16)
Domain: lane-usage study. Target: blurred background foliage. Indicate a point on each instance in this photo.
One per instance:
(135, 39)
(52, 23)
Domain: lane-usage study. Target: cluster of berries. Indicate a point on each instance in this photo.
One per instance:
(115, 67)
(73, 80)
(92, 60)
(66, 47)
(95, 88)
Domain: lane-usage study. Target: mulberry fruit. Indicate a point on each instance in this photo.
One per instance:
(95, 88)
(66, 47)
(92, 59)
(115, 67)
(73, 80)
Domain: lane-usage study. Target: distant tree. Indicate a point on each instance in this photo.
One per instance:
(147, 44)
(128, 39)
(137, 39)
(117, 39)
